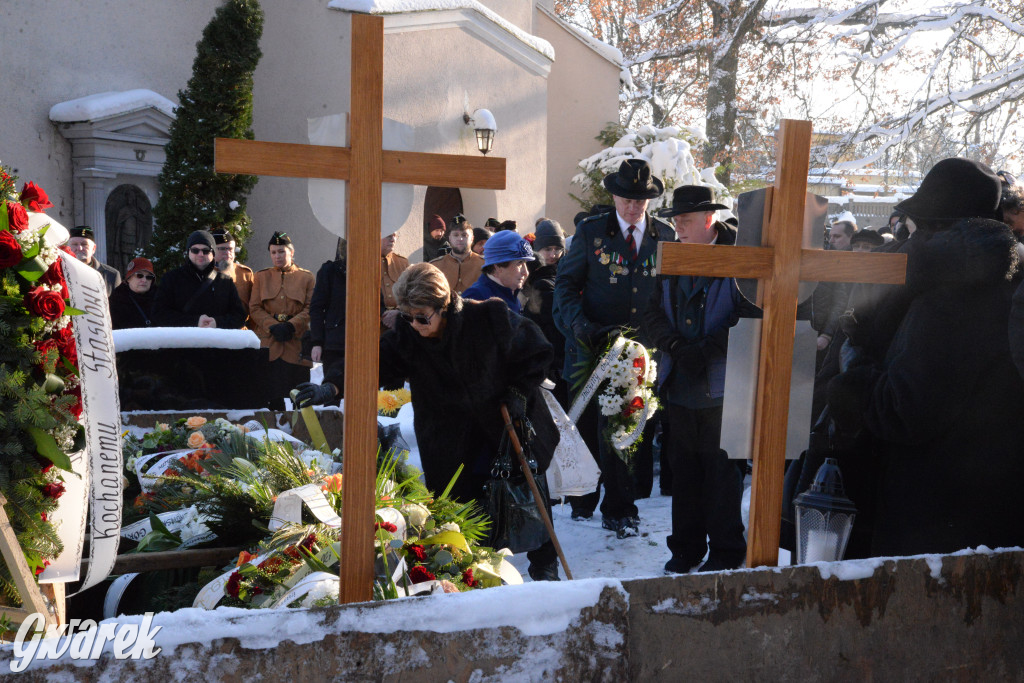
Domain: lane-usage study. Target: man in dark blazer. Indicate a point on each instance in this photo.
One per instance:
(603, 285)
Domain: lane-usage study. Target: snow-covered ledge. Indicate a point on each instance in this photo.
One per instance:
(525, 49)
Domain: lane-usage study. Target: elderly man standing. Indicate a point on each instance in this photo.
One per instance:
(603, 284)
(279, 309)
(82, 245)
(461, 266)
(240, 274)
(689, 319)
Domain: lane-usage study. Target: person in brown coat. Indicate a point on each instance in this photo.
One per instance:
(461, 266)
(224, 261)
(279, 311)
(391, 266)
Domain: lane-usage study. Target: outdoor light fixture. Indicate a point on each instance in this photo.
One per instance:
(824, 517)
(483, 122)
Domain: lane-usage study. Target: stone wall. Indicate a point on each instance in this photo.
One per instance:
(954, 617)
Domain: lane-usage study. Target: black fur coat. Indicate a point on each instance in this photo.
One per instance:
(457, 383)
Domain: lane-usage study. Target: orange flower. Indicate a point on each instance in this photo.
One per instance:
(244, 557)
(195, 422)
(332, 483)
(191, 461)
(196, 440)
(141, 500)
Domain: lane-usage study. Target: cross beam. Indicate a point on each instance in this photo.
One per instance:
(780, 263)
(373, 166)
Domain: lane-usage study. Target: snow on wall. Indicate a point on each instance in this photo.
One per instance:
(408, 6)
(183, 338)
(103, 105)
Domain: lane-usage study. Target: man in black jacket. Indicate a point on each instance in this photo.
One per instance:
(196, 294)
(327, 317)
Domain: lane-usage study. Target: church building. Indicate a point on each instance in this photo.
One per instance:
(90, 89)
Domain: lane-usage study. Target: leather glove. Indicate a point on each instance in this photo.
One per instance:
(282, 332)
(687, 354)
(310, 394)
(515, 401)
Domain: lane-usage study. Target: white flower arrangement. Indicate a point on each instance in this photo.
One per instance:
(626, 396)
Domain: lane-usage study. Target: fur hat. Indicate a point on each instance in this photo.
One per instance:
(634, 180)
(548, 234)
(955, 188)
(506, 246)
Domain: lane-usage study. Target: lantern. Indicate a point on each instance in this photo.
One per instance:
(824, 517)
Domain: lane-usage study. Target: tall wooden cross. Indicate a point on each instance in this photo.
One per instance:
(781, 264)
(365, 164)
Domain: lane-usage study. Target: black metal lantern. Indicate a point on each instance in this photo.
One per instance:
(824, 517)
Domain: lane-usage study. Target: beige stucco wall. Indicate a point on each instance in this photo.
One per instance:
(52, 51)
(578, 108)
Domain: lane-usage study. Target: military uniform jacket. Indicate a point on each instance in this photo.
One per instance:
(391, 267)
(599, 284)
(460, 274)
(281, 296)
(243, 278)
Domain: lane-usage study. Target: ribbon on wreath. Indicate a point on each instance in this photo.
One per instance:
(601, 373)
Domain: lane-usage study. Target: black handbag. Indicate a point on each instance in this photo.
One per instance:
(516, 522)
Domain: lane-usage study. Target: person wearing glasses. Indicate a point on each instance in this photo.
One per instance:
(279, 310)
(196, 294)
(462, 360)
(131, 303)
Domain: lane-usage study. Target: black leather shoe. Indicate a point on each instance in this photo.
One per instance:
(628, 526)
(580, 515)
(611, 523)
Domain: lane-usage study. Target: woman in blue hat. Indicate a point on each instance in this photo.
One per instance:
(504, 272)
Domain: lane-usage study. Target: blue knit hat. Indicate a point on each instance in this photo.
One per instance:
(506, 246)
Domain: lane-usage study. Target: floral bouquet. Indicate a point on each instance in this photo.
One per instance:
(623, 381)
(40, 398)
(390, 402)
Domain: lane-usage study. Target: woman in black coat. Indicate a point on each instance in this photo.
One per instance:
(944, 410)
(327, 314)
(131, 302)
(462, 360)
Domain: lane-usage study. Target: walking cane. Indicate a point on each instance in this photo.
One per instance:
(541, 504)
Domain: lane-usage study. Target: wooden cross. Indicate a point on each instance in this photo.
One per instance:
(365, 164)
(781, 264)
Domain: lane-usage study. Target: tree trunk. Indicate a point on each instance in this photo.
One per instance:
(721, 110)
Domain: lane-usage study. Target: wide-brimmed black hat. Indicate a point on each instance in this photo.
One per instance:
(634, 180)
(955, 188)
(692, 199)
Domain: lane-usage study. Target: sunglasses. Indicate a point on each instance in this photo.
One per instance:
(144, 276)
(198, 250)
(419, 319)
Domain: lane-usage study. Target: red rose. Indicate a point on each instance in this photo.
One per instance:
(65, 340)
(54, 489)
(41, 568)
(417, 552)
(233, 584)
(42, 516)
(467, 578)
(386, 526)
(636, 404)
(17, 217)
(54, 275)
(34, 198)
(44, 347)
(10, 250)
(420, 574)
(44, 303)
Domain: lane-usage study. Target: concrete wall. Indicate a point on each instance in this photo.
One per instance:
(955, 617)
(578, 108)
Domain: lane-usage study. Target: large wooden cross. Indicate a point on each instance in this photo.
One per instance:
(365, 164)
(781, 264)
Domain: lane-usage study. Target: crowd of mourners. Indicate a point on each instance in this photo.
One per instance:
(917, 388)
